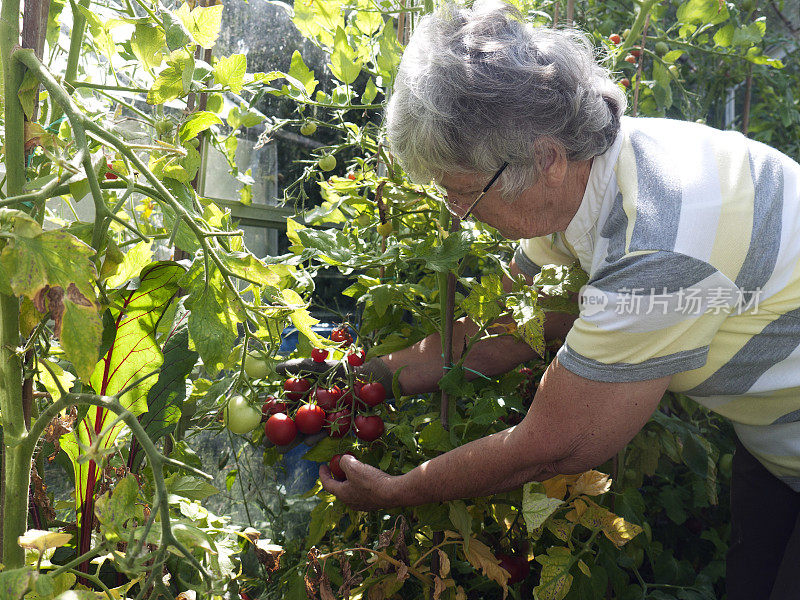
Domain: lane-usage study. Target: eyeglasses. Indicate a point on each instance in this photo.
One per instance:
(472, 206)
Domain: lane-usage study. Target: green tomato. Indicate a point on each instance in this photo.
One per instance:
(308, 128)
(674, 70)
(240, 417)
(385, 229)
(662, 48)
(726, 464)
(327, 162)
(363, 220)
(255, 366)
(163, 126)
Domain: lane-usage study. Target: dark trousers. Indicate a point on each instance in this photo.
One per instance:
(764, 558)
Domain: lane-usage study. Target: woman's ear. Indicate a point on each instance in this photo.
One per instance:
(552, 162)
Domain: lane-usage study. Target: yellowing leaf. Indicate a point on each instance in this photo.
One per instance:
(584, 568)
(556, 487)
(302, 319)
(591, 483)
(555, 579)
(37, 539)
(230, 71)
(536, 506)
(202, 22)
(619, 531)
(482, 558)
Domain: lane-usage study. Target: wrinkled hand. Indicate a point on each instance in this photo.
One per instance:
(366, 487)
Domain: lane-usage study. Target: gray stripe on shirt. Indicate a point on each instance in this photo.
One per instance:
(765, 239)
(659, 272)
(621, 372)
(658, 205)
(615, 229)
(767, 348)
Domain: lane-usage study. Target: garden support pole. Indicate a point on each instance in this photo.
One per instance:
(16, 470)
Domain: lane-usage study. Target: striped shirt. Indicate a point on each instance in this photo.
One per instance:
(691, 239)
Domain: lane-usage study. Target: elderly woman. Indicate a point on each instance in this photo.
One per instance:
(690, 237)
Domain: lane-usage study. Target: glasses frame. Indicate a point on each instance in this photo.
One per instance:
(494, 178)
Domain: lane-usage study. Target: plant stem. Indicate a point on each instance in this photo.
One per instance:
(17, 464)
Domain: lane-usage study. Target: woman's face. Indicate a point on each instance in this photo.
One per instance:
(529, 215)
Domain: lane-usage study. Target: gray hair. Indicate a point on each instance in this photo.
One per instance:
(479, 87)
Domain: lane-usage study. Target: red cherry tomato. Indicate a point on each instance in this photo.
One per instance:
(625, 82)
(110, 174)
(328, 398)
(280, 429)
(630, 59)
(319, 355)
(369, 428)
(615, 39)
(340, 334)
(272, 406)
(309, 419)
(517, 567)
(337, 424)
(356, 358)
(351, 176)
(636, 52)
(296, 387)
(372, 393)
(336, 469)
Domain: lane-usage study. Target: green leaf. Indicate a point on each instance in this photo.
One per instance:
(370, 92)
(212, 329)
(673, 55)
(344, 63)
(113, 510)
(166, 397)
(65, 378)
(724, 36)
(702, 12)
(536, 506)
(389, 53)
(555, 579)
(100, 33)
(324, 517)
(189, 487)
(663, 87)
(15, 582)
(202, 22)
(173, 81)
(299, 71)
(134, 260)
(444, 258)
(28, 93)
(147, 44)
(435, 437)
(319, 19)
(198, 122)
(461, 520)
(455, 383)
(324, 450)
(246, 266)
(230, 71)
(750, 34)
(177, 36)
(302, 319)
(483, 304)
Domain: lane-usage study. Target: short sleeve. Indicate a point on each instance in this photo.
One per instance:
(648, 315)
(532, 254)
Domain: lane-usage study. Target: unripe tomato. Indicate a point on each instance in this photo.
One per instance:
(517, 567)
(726, 464)
(369, 428)
(280, 429)
(337, 424)
(308, 128)
(662, 48)
(296, 387)
(615, 39)
(674, 70)
(255, 366)
(240, 417)
(336, 469)
(328, 398)
(356, 358)
(372, 393)
(319, 355)
(327, 162)
(630, 59)
(309, 419)
(625, 34)
(385, 229)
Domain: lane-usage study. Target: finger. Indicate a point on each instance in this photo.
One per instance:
(328, 482)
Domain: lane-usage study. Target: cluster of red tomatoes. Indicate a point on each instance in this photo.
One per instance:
(326, 402)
